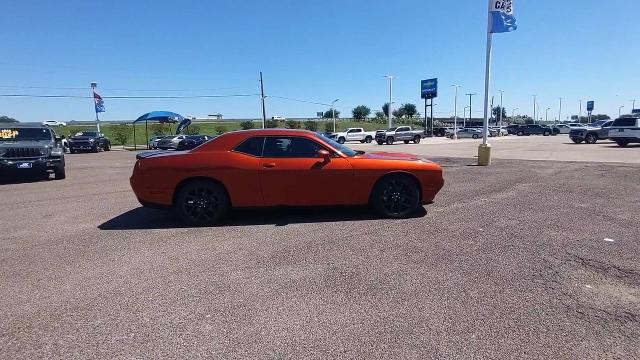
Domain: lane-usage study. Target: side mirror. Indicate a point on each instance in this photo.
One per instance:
(324, 154)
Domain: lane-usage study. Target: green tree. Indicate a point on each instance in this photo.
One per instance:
(398, 113)
(329, 114)
(246, 125)
(385, 110)
(600, 117)
(192, 129)
(409, 110)
(360, 112)
(159, 129)
(292, 124)
(496, 113)
(311, 125)
(220, 129)
(6, 119)
(120, 133)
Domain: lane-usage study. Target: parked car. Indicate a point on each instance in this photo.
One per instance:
(170, 142)
(499, 131)
(354, 134)
(53, 123)
(468, 133)
(232, 170)
(625, 130)
(591, 134)
(562, 128)
(192, 141)
(400, 133)
(513, 129)
(279, 118)
(440, 131)
(30, 149)
(534, 129)
(153, 142)
(89, 140)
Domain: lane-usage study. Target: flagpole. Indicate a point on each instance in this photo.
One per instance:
(94, 85)
(484, 150)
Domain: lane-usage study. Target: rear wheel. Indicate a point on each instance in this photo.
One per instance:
(396, 196)
(591, 139)
(201, 203)
(622, 143)
(416, 139)
(368, 139)
(341, 140)
(577, 141)
(546, 133)
(520, 133)
(475, 136)
(390, 141)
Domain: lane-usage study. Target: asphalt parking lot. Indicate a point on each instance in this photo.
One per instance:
(523, 259)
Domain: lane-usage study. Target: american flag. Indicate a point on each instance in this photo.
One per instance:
(98, 102)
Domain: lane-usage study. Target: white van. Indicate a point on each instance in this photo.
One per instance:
(625, 130)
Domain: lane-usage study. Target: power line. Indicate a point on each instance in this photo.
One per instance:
(112, 89)
(126, 97)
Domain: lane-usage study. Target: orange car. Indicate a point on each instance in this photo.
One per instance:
(277, 167)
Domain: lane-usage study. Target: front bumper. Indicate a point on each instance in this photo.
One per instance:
(22, 166)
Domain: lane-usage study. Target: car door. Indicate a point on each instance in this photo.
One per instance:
(403, 133)
(352, 134)
(293, 174)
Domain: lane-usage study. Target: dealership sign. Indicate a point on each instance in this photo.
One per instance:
(429, 88)
(590, 105)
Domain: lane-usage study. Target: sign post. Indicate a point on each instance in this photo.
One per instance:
(590, 106)
(428, 91)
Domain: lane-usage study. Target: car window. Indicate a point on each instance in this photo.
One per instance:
(357, 130)
(403, 129)
(631, 122)
(251, 146)
(290, 147)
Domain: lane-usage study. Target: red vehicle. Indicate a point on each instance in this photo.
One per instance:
(278, 167)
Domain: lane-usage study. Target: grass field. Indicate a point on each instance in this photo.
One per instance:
(205, 128)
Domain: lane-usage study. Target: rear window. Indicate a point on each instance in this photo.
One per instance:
(629, 122)
(252, 146)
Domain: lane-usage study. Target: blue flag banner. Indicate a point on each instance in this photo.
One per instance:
(502, 19)
(98, 102)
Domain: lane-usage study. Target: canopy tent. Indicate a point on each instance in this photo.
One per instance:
(163, 117)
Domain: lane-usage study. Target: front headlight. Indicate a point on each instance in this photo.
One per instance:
(44, 151)
(2, 152)
(56, 152)
(92, 140)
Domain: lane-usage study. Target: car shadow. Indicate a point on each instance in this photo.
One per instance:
(614, 145)
(142, 218)
(9, 180)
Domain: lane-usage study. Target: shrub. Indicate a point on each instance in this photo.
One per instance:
(292, 124)
(328, 127)
(311, 125)
(192, 129)
(271, 124)
(120, 133)
(220, 130)
(246, 125)
(159, 129)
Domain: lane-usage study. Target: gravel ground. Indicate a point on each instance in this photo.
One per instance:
(511, 262)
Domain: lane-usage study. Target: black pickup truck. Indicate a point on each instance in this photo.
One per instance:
(89, 141)
(534, 129)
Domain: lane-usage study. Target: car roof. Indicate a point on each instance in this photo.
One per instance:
(230, 139)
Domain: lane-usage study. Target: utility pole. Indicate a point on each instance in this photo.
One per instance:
(470, 116)
(455, 113)
(560, 110)
(333, 113)
(390, 77)
(580, 113)
(501, 108)
(534, 109)
(264, 113)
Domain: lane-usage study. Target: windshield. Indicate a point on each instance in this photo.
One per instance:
(392, 129)
(342, 148)
(599, 123)
(87, 133)
(16, 134)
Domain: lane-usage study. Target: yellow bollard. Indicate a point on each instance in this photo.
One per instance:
(484, 155)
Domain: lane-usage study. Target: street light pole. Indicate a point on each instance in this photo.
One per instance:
(633, 105)
(580, 113)
(501, 108)
(464, 119)
(390, 77)
(513, 112)
(470, 95)
(546, 115)
(333, 113)
(560, 110)
(455, 113)
(534, 108)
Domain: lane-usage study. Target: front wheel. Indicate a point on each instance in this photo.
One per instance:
(416, 139)
(368, 139)
(201, 203)
(622, 143)
(380, 142)
(341, 140)
(546, 133)
(396, 196)
(475, 136)
(406, 141)
(107, 146)
(520, 133)
(60, 173)
(390, 141)
(577, 141)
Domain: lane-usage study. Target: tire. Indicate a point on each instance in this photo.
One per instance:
(107, 146)
(622, 143)
(380, 142)
(60, 173)
(546, 133)
(591, 138)
(368, 139)
(72, 151)
(361, 141)
(341, 140)
(395, 196)
(475, 136)
(520, 133)
(577, 141)
(417, 139)
(96, 149)
(201, 203)
(390, 140)
(406, 141)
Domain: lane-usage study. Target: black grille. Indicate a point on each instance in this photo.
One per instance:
(575, 132)
(22, 153)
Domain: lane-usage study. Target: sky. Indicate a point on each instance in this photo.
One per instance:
(314, 51)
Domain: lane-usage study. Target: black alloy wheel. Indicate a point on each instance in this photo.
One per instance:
(475, 136)
(202, 203)
(390, 140)
(591, 139)
(368, 139)
(396, 196)
(341, 140)
(416, 139)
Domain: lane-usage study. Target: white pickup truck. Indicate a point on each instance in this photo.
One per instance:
(354, 134)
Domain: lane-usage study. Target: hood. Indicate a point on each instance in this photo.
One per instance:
(82, 137)
(25, 144)
(390, 156)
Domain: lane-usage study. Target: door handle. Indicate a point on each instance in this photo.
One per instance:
(269, 165)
